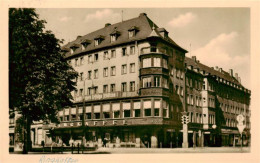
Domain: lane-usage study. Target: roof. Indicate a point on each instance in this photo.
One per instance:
(142, 24)
(223, 74)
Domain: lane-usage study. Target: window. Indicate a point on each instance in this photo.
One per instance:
(113, 38)
(132, 67)
(177, 73)
(105, 72)
(181, 74)
(177, 89)
(165, 64)
(181, 91)
(123, 51)
(105, 89)
(126, 113)
(90, 59)
(157, 81)
(106, 55)
(123, 87)
(112, 88)
(81, 76)
(132, 50)
(116, 114)
(97, 42)
(66, 118)
(89, 74)
(95, 90)
(113, 71)
(137, 109)
(147, 62)
(157, 106)
(147, 108)
(96, 57)
(157, 62)
(106, 114)
(76, 62)
(106, 110)
(191, 100)
(131, 33)
(124, 69)
(81, 60)
(165, 82)
(126, 109)
(165, 109)
(113, 53)
(132, 86)
(81, 92)
(96, 115)
(89, 91)
(73, 117)
(96, 74)
(147, 82)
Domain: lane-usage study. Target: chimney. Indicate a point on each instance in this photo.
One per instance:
(79, 37)
(107, 24)
(231, 72)
(239, 80)
(216, 68)
(236, 76)
(220, 69)
(142, 14)
(194, 58)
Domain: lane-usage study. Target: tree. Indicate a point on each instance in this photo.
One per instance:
(40, 79)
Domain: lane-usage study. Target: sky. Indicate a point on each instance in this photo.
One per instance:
(216, 36)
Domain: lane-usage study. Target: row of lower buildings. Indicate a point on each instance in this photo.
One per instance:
(134, 84)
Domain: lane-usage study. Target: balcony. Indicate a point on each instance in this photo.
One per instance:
(101, 96)
(154, 50)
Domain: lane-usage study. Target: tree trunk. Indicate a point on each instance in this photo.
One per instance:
(27, 135)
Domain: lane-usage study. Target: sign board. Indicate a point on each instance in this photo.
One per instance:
(241, 128)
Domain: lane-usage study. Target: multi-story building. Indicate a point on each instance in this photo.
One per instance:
(134, 83)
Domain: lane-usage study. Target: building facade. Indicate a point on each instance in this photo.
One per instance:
(134, 82)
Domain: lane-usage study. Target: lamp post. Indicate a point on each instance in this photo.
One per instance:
(84, 112)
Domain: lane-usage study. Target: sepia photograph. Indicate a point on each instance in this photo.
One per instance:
(105, 81)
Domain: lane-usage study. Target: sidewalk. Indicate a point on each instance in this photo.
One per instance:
(177, 150)
(153, 150)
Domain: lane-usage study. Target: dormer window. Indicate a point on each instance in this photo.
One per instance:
(163, 32)
(98, 40)
(73, 48)
(85, 43)
(114, 35)
(132, 31)
(65, 50)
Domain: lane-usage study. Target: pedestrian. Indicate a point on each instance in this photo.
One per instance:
(105, 142)
(42, 143)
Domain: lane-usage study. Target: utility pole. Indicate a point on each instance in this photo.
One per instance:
(185, 117)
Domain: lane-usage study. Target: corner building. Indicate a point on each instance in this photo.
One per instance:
(134, 82)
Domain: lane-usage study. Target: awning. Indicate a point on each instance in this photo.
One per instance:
(96, 108)
(106, 107)
(115, 106)
(147, 104)
(88, 109)
(126, 106)
(137, 105)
